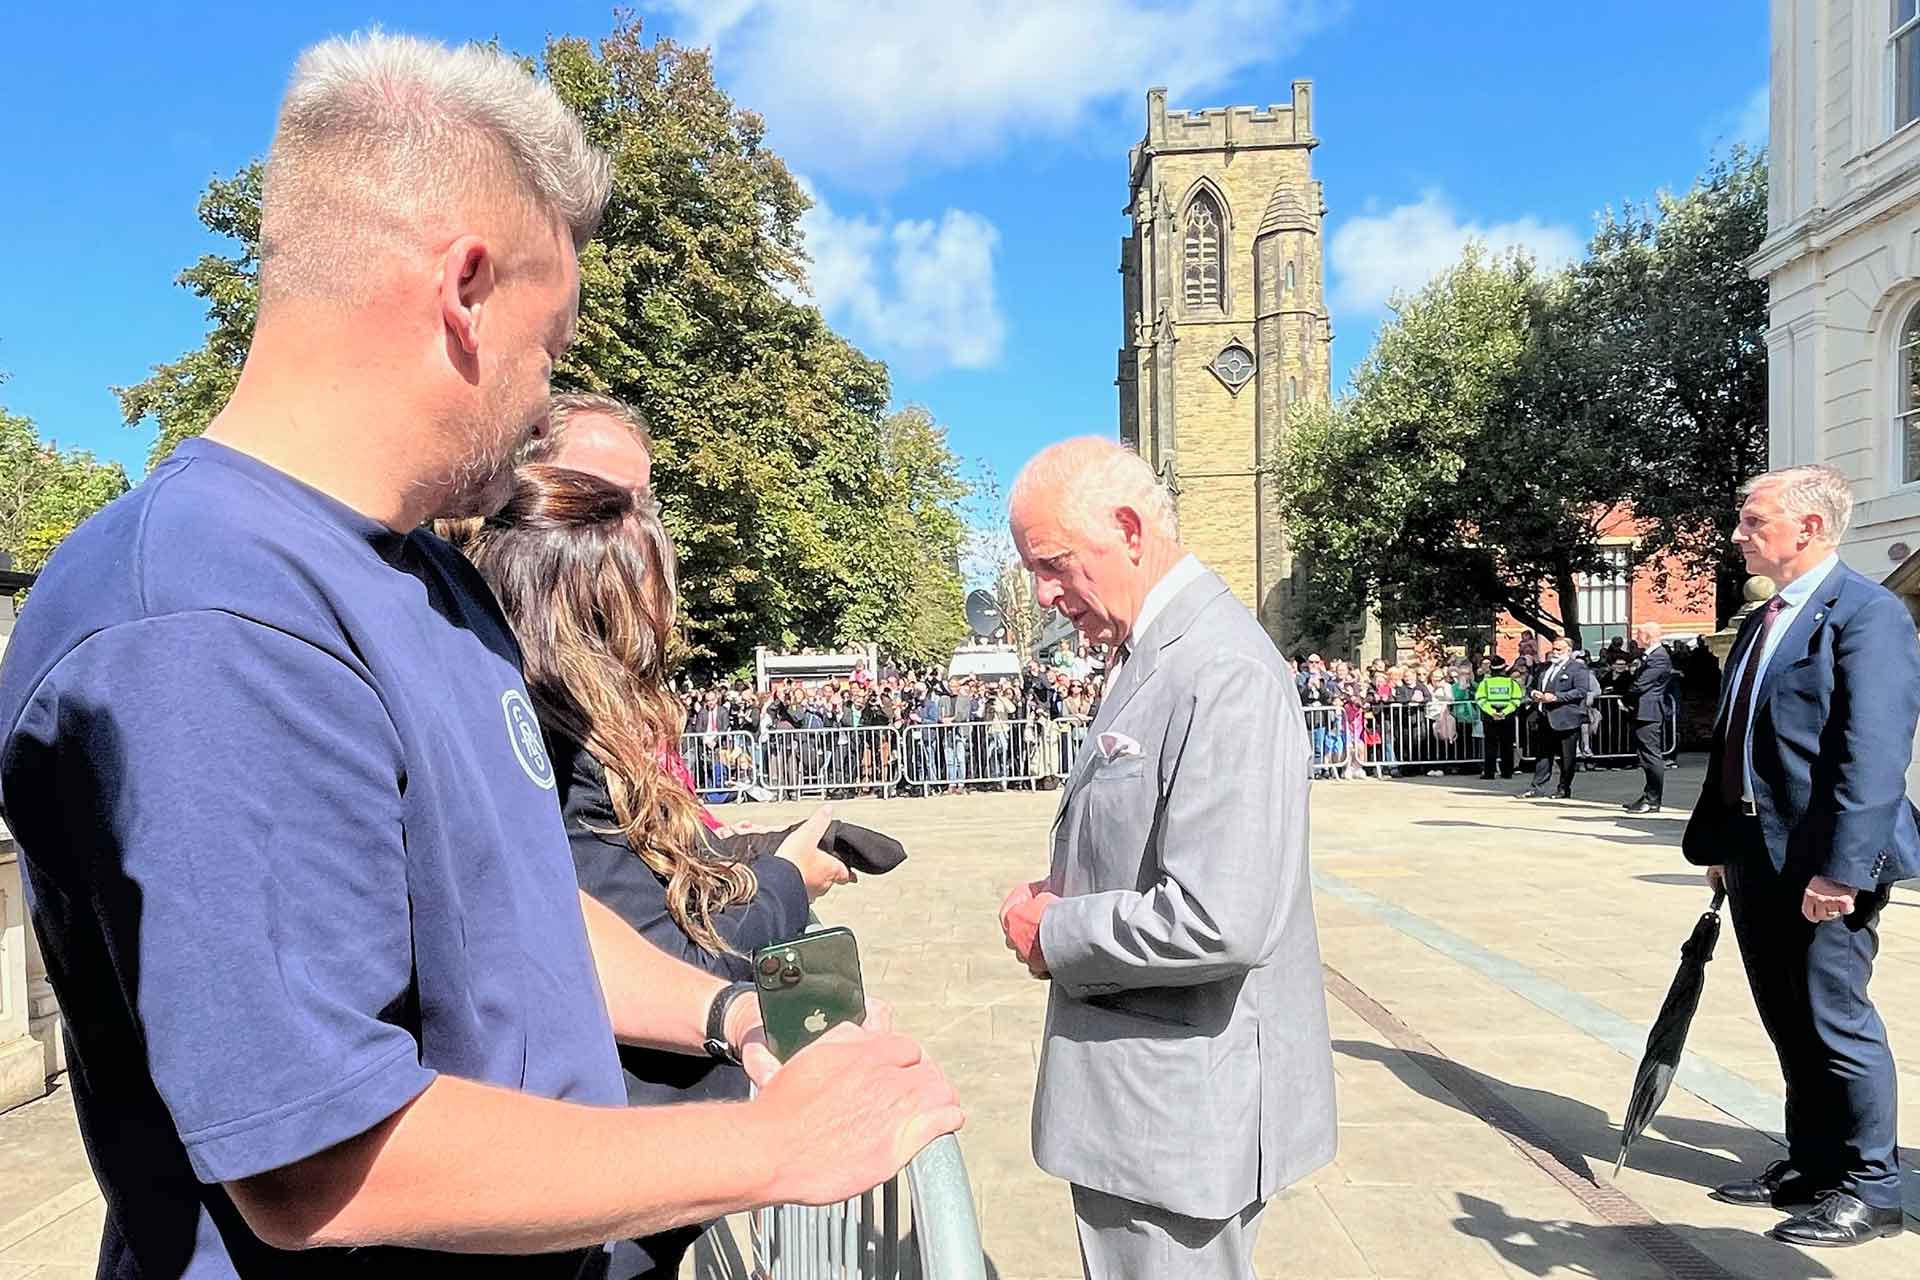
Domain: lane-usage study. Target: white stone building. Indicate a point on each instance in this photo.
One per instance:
(1842, 264)
(1842, 261)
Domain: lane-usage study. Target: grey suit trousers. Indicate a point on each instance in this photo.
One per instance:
(1124, 1240)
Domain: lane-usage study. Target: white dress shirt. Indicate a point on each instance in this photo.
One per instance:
(1792, 597)
(1177, 579)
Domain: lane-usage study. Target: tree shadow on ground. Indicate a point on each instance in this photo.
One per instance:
(1548, 1246)
(1668, 841)
(1698, 880)
(1702, 1153)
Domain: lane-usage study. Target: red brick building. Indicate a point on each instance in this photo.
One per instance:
(1613, 603)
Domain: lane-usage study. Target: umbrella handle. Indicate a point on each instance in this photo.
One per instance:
(1719, 897)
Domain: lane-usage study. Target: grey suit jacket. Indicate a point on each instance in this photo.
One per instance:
(1186, 1062)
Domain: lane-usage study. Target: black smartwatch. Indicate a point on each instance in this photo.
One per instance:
(716, 1042)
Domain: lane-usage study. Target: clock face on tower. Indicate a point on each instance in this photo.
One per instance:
(1233, 366)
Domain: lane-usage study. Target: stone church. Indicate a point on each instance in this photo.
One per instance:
(1226, 324)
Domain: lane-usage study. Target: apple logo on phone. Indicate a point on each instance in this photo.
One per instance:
(815, 1022)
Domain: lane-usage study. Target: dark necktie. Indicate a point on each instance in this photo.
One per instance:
(1733, 752)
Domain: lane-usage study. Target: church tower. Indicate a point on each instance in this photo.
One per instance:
(1226, 325)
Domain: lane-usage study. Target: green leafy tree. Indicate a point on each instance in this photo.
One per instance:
(1456, 480)
(46, 491)
(1676, 358)
(804, 513)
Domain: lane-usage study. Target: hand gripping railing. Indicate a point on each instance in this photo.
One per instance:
(861, 1239)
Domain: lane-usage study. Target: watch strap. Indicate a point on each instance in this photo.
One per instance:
(716, 1042)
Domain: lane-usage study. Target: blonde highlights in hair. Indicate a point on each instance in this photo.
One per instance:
(585, 573)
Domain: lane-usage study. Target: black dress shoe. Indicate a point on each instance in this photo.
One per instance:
(1779, 1186)
(1838, 1221)
(1641, 806)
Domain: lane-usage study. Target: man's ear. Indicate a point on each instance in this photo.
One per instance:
(468, 280)
(1129, 521)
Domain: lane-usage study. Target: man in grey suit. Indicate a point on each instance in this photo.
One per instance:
(1186, 1074)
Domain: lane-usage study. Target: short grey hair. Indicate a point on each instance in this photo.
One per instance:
(568, 405)
(378, 133)
(1088, 478)
(1811, 489)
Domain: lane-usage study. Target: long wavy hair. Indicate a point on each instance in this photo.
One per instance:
(585, 573)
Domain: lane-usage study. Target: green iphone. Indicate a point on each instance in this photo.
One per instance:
(806, 986)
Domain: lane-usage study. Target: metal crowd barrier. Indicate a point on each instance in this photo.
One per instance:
(800, 761)
(721, 763)
(1427, 735)
(1608, 734)
(979, 753)
(864, 1239)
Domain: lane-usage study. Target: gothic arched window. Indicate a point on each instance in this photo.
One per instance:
(1289, 275)
(1293, 390)
(1202, 252)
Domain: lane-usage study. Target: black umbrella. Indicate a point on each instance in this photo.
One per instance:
(1669, 1034)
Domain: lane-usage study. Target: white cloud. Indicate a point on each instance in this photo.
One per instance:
(1375, 256)
(862, 88)
(918, 290)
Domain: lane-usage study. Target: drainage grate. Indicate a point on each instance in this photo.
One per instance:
(1613, 1206)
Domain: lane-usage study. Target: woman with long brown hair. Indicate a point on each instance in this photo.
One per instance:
(585, 573)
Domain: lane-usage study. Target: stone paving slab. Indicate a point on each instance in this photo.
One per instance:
(1588, 901)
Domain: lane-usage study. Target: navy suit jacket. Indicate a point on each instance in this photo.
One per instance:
(1833, 724)
(1575, 688)
(1647, 695)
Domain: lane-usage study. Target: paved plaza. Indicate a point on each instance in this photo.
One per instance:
(1492, 967)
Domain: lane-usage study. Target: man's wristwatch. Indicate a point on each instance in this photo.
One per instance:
(716, 1042)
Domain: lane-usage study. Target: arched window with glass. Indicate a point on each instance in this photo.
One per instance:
(1906, 407)
(1290, 275)
(1202, 251)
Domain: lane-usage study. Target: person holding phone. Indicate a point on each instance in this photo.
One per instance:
(584, 570)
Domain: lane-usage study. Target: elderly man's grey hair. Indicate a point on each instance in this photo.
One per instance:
(1086, 479)
(1811, 489)
(381, 136)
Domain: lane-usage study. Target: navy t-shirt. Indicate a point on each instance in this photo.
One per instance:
(291, 841)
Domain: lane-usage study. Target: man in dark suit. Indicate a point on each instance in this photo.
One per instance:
(1804, 819)
(1561, 691)
(1646, 699)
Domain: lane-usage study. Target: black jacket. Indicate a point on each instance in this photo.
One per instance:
(1646, 696)
(610, 873)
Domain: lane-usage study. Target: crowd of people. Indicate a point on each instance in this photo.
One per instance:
(1452, 714)
(385, 919)
(841, 735)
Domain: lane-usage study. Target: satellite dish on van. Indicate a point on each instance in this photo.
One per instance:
(983, 615)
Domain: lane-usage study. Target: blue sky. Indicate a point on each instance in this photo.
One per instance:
(969, 155)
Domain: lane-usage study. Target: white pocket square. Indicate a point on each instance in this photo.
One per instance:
(1116, 746)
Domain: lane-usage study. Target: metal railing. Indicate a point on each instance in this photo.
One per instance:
(864, 1238)
(797, 762)
(922, 759)
(979, 753)
(1440, 735)
(722, 764)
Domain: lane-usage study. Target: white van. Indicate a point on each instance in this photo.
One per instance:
(986, 662)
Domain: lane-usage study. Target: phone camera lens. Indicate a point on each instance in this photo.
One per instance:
(770, 965)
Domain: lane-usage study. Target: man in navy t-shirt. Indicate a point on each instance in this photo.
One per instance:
(288, 830)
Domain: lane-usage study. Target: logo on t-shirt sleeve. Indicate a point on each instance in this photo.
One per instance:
(523, 732)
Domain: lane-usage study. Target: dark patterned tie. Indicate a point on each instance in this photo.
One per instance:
(1733, 752)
